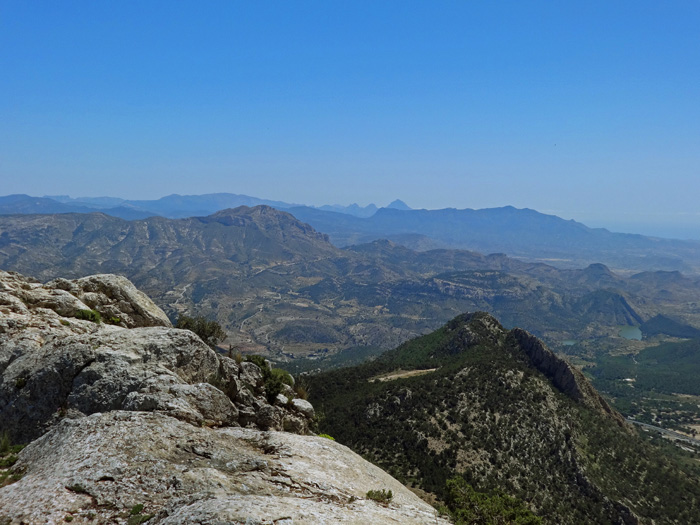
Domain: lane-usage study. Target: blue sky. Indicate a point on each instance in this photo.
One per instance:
(589, 110)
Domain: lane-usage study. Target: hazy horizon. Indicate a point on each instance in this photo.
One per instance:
(655, 229)
(585, 110)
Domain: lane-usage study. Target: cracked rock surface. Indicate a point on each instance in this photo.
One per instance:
(104, 464)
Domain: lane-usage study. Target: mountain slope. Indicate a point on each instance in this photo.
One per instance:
(500, 410)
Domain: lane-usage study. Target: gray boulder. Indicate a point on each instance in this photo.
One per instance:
(114, 296)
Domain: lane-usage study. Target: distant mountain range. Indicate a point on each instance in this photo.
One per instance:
(521, 233)
(172, 206)
(276, 284)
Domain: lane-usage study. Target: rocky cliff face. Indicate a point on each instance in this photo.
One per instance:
(137, 412)
(563, 376)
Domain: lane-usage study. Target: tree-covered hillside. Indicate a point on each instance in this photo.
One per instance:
(497, 409)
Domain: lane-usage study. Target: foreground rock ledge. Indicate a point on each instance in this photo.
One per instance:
(96, 468)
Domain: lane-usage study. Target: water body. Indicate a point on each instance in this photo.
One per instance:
(631, 332)
(569, 342)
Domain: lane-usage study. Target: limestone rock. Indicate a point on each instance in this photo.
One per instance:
(251, 374)
(53, 366)
(269, 417)
(104, 464)
(114, 296)
(304, 407)
(566, 378)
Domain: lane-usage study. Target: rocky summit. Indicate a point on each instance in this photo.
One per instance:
(129, 420)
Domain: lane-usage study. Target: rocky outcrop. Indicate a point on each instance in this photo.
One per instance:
(562, 375)
(115, 297)
(140, 413)
(53, 366)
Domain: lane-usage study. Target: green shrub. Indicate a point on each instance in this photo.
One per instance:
(258, 360)
(5, 442)
(301, 392)
(284, 376)
(8, 457)
(467, 506)
(380, 496)
(301, 387)
(135, 516)
(326, 436)
(210, 332)
(138, 519)
(274, 378)
(273, 386)
(89, 315)
(6, 446)
(114, 320)
(64, 322)
(8, 460)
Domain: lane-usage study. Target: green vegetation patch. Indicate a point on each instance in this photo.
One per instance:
(669, 367)
(208, 331)
(380, 496)
(662, 324)
(658, 386)
(8, 458)
(274, 378)
(466, 506)
(136, 517)
(89, 315)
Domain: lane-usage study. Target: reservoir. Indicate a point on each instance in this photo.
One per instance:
(631, 332)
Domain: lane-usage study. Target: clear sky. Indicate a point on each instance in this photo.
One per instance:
(586, 109)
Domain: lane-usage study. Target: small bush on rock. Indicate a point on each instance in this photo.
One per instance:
(89, 315)
(208, 331)
(380, 496)
(274, 378)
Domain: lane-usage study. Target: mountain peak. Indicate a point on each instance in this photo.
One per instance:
(398, 204)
